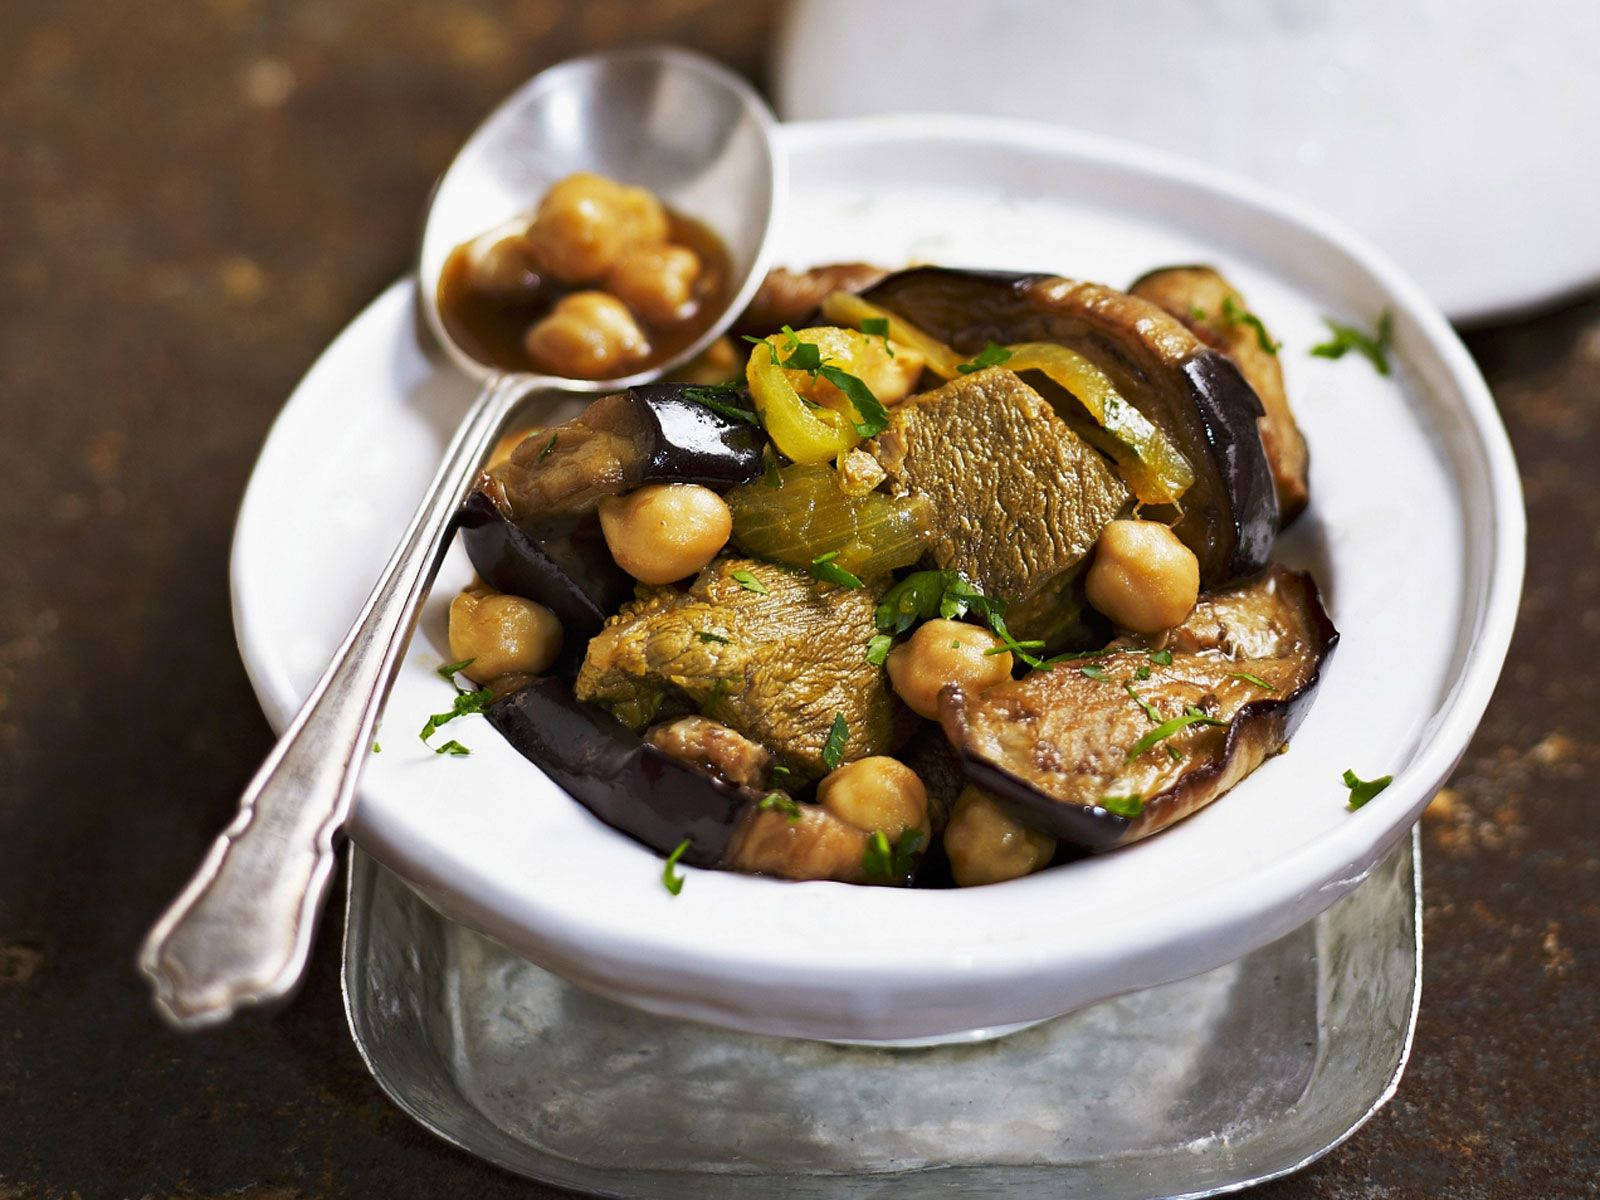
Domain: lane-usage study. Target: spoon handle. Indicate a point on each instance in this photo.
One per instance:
(240, 932)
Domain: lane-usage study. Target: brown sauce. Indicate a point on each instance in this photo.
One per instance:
(493, 327)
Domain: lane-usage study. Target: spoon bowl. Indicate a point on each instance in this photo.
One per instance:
(691, 132)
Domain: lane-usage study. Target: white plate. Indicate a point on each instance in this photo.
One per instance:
(1415, 532)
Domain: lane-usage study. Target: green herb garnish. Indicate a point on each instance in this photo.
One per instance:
(992, 355)
(548, 446)
(1123, 806)
(1197, 313)
(1006, 648)
(670, 878)
(1162, 658)
(878, 648)
(750, 583)
(807, 357)
(923, 595)
(833, 748)
(449, 671)
(1362, 790)
(706, 636)
(1174, 753)
(453, 748)
(1150, 710)
(1093, 673)
(891, 864)
(466, 703)
(377, 749)
(778, 802)
(717, 397)
(1142, 673)
(824, 568)
(878, 327)
(1167, 728)
(1255, 679)
(1374, 347)
(781, 772)
(1237, 314)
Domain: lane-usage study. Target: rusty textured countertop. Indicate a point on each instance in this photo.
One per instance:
(193, 199)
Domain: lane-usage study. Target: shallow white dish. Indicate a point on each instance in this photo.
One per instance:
(1415, 533)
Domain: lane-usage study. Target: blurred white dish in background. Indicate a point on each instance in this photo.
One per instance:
(1462, 136)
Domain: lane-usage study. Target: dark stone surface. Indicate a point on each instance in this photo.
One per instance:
(193, 199)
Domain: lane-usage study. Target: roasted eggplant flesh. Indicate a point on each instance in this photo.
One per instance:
(1107, 750)
(563, 564)
(1217, 313)
(1190, 390)
(655, 434)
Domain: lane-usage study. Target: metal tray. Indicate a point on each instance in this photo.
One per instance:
(1194, 1088)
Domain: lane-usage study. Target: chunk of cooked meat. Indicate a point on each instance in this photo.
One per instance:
(714, 748)
(1018, 499)
(1072, 747)
(788, 297)
(814, 845)
(774, 655)
(1215, 310)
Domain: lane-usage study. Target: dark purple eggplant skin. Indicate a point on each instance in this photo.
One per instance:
(619, 777)
(1273, 718)
(567, 568)
(1188, 388)
(691, 443)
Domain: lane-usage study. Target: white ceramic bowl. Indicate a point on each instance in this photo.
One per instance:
(1415, 532)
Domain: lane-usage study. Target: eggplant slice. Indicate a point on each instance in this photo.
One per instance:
(1065, 747)
(1216, 312)
(661, 800)
(1192, 391)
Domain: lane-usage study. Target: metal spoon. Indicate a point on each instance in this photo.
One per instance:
(674, 122)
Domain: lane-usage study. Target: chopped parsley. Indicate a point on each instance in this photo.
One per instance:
(707, 636)
(780, 772)
(923, 595)
(807, 357)
(833, 748)
(1028, 644)
(1150, 710)
(1255, 679)
(718, 398)
(466, 703)
(1237, 314)
(824, 568)
(878, 649)
(449, 671)
(1174, 753)
(992, 355)
(750, 583)
(548, 446)
(1143, 672)
(1196, 313)
(1362, 790)
(1162, 658)
(1123, 806)
(670, 879)
(1374, 347)
(878, 327)
(778, 802)
(891, 864)
(377, 749)
(453, 748)
(1167, 728)
(1092, 672)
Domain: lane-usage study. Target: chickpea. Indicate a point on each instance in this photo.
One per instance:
(640, 215)
(664, 531)
(505, 269)
(502, 635)
(579, 231)
(943, 652)
(588, 335)
(657, 282)
(1143, 577)
(986, 844)
(876, 793)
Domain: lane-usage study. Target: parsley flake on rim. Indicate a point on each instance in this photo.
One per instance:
(992, 355)
(449, 671)
(750, 583)
(670, 879)
(833, 748)
(453, 748)
(1362, 790)
(1374, 347)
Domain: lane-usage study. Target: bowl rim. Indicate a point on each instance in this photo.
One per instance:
(1246, 912)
